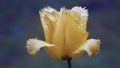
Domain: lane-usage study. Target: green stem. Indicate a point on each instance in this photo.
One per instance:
(69, 62)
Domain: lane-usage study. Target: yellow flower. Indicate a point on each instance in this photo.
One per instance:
(65, 34)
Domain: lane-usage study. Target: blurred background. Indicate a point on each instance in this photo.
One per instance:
(19, 21)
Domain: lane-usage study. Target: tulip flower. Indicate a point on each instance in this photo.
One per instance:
(65, 34)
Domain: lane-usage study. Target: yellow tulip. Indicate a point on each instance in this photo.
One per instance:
(65, 34)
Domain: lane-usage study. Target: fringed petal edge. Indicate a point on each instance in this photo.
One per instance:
(34, 45)
(92, 46)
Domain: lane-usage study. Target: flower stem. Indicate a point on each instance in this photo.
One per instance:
(69, 62)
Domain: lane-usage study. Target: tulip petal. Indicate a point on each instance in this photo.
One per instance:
(74, 35)
(34, 45)
(81, 16)
(91, 46)
(49, 19)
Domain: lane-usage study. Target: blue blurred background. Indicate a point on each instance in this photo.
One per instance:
(19, 21)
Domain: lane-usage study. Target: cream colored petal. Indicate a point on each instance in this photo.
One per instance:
(91, 46)
(34, 45)
(73, 34)
(79, 10)
(49, 19)
(81, 16)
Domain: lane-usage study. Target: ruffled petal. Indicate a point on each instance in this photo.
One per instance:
(81, 16)
(34, 45)
(91, 46)
(73, 34)
(49, 19)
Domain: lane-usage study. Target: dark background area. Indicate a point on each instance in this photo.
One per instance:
(19, 21)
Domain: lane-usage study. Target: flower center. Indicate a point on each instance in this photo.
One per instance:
(66, 57)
